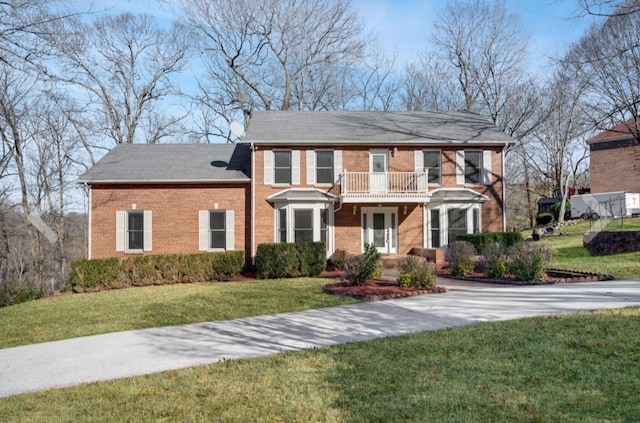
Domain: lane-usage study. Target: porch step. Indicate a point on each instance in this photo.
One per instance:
(391, 261)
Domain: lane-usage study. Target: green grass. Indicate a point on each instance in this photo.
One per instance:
(582, 367)
(111, 311)
(568, 252)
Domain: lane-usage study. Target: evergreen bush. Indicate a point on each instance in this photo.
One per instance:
(113, 273)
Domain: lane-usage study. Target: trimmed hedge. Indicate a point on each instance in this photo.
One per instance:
(290, 260)
(114, 273)
(16, 294)
(481, 240)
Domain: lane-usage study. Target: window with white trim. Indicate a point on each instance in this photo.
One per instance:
(473, 167)
(216, 230)
(476, 221)
(435, 227)
(456, 222)
(282, 167)
(431, 164)
(303, 226)
(324, 167)
(133, 230)
(304, 223)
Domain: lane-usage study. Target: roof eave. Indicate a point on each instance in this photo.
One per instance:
(419, 142)
(159, 181)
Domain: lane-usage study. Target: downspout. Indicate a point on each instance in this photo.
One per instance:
(88, 188)
(253, 204)
(504, 191)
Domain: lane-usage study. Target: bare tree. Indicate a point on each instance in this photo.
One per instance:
(608, 7)
(16, 133)
(124, 63)
(374, 84)
(273, 54)
(559, 151)
(607, 60)
(485, 47)
(427, 86)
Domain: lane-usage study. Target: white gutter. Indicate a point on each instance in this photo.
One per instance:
(504, 191)
(88, 220)
(253, 204)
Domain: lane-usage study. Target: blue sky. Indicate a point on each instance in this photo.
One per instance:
(404, 25)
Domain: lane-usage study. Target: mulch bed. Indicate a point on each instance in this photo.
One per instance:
(554, 276)
(377, 290)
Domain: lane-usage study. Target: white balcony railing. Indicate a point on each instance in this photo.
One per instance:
(384, 185)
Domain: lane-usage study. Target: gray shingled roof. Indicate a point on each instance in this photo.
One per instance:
(344, 127)
(156, 163)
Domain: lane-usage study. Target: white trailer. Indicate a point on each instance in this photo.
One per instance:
(605, 204)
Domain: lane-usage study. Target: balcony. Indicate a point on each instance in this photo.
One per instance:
(383, 187)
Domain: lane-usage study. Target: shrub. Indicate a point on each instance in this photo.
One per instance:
(361, 268)
(290, 260)
(460, 256)
(112, 273)
(555, 209)
(313, 257)
(528, 261)
(544, 218)
(415, 273)
(14, 294)
(481, 240)
(494, 261)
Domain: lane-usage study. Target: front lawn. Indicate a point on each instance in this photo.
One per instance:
(76, 315)
(568, 252)
(582, 367)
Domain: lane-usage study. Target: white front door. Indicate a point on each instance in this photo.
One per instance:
(379, 227)
(378, 174)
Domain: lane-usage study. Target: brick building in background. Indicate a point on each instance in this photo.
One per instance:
(615, 159)
(397, 180)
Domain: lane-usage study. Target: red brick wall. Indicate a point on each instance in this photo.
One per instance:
(615, 169)
(175, 214)
(348, 225)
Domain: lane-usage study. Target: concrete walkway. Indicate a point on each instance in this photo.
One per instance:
(123, 354)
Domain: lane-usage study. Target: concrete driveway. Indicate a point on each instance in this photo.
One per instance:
(123, 354)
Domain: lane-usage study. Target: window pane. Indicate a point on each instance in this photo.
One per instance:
(324, 176)
(472, 160)
(476, 221)
(303, 225)
(432, 164)
(435, 228)
(323, 226)
(282, 176)
(365, 229)
(457, 223)
(217, 233)
(282, 158)
(218, 239)
(282, 167)
(136, 221)
(282, 225)
(379, 163)
(135, 230)
(324, 167)
(216, 220)
(324, 158)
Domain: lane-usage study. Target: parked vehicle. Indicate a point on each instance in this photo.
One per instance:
(605, 204)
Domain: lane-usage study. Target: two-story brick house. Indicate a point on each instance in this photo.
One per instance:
(397, 180)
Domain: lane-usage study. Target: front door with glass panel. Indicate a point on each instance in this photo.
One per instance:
(378, 175)
(379, 227)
